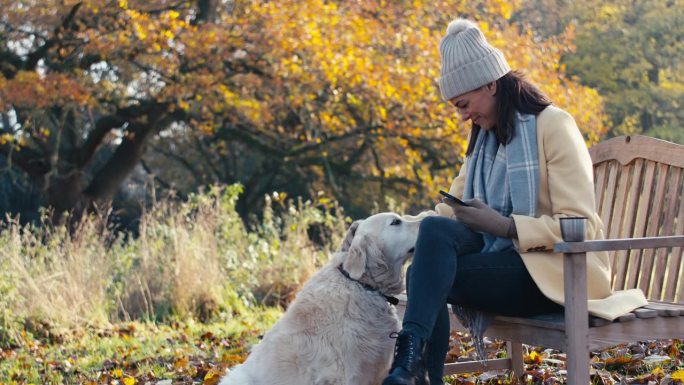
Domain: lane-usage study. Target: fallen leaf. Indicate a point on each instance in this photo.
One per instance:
(612, 361)
(656, 359)
(533, 358)
(212, 377)
(181, 363)
(678, 375)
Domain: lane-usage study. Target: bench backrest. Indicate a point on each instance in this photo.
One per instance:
(639, 182)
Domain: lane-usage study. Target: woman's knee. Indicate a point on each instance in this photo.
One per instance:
(433, 227)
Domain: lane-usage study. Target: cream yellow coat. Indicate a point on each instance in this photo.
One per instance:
(566, 189)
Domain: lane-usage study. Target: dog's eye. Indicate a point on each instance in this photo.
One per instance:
(396, 222)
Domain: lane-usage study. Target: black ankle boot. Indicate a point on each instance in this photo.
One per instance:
(433, 365)
(408, 367)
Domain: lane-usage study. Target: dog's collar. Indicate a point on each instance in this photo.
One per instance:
(392, 300)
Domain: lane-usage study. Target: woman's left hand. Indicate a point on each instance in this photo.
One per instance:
(480, 217)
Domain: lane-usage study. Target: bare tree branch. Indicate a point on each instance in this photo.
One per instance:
(196, 174)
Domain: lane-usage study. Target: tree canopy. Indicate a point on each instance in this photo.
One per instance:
(306, 97)
(632, 52)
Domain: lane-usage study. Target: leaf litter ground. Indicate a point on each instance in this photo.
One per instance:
(195, 353)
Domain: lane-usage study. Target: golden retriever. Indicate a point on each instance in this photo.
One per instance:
(337, 330)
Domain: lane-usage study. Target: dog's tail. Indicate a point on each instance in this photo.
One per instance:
(236, 376)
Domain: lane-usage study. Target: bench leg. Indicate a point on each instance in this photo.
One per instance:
(576, 317)
(515, 352)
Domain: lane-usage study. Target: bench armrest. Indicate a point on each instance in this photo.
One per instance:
(575, 285)
(619, 244)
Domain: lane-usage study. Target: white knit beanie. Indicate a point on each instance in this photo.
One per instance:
(468, 61)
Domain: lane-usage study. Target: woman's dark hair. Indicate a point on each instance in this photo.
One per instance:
(513, 93)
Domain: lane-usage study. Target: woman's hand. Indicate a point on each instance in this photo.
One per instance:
(481, 217)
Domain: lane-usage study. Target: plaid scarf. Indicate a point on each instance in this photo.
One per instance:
(505, 178)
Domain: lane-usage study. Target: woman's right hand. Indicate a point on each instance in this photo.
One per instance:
(480, 217)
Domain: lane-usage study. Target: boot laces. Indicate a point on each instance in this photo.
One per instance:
(407, 353)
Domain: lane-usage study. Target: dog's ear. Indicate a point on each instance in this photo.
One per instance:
(360, 251)
(346, 243)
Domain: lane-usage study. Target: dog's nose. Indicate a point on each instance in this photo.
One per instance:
(411, 250)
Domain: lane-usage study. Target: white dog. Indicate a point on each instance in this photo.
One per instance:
(337, 331)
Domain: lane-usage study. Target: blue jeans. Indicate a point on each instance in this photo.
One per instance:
(448, 267)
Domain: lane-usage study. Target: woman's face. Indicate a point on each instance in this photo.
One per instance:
(478, 106)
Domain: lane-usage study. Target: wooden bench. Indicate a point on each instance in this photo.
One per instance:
(639, 182)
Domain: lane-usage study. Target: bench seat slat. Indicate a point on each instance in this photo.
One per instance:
(664, 311)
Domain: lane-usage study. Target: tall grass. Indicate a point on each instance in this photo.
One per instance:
(190, 259)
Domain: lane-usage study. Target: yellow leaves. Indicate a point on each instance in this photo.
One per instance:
(658, 371)
(506, 9)
(183, 105)
(533, 358)
(181, 363)
(173, 15)
(206, 127)
(382, 112)
(6, 138)
(337, 66)
(248, 106)
(232, 358)
(139, 31)
(30, 89)
(678, 375)
(212, 377)
(621, 360)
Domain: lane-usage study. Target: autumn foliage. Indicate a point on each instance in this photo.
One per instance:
(304, 96)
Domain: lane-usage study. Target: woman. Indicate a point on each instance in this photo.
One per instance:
(526, 166)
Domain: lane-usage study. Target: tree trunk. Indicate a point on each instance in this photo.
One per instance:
(207, 11)
(66, 193)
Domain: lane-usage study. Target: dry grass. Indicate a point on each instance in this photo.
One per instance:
(194, 259)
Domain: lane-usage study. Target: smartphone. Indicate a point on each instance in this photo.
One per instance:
(453, 198)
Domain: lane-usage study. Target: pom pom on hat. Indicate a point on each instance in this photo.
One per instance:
(468, 60)
(459, 25)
